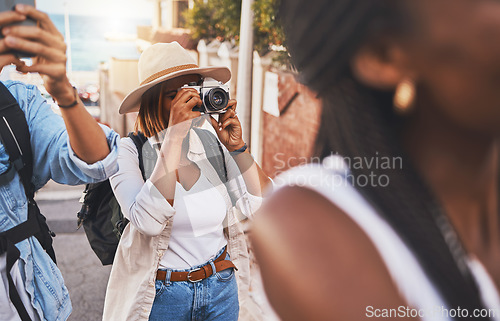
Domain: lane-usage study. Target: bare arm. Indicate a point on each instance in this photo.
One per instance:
(316, 263)
(86, 137)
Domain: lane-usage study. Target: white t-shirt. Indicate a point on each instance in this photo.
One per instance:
(7, 309)
(197, 231)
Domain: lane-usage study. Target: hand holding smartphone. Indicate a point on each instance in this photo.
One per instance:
(42, 40)
(9, 5)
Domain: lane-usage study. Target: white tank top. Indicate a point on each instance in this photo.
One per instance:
(329, 180)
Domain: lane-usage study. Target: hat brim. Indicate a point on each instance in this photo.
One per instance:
(132, 101)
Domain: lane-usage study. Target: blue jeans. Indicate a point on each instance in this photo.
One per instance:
(213, 298)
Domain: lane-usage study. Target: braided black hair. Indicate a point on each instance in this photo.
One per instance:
(358, 121)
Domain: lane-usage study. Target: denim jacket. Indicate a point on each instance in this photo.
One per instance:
(54, 159)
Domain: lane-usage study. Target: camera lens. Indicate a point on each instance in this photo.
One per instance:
(216, 99)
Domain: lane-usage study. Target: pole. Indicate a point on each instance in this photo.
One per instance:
(157, 23)
(245, 64)
(69, 66)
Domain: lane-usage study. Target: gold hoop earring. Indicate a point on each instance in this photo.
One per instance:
(404, 98)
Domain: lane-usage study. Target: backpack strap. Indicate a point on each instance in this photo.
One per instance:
(13, 124)
(139, 139)
(14, 133)
(7, 246)
(214, 152)
(217, 160)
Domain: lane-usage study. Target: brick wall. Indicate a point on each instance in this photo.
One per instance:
(288, 140)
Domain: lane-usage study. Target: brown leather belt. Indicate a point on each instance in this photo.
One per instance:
(198, 274)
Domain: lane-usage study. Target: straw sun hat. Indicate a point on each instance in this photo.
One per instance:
(164, 61)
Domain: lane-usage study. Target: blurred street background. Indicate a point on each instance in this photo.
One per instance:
(279, 116)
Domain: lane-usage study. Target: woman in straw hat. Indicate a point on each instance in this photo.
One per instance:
(177, 258)
(412, 232)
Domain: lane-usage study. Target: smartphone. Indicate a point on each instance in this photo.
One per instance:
(6, 5)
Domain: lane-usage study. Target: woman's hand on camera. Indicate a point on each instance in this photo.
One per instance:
(181, 110)
(6, 57)
(228, 128)
(47, 43)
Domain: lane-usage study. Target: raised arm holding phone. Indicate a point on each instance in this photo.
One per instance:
(48, 44)
(72, 149)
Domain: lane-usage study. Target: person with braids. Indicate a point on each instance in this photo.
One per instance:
(412, 80)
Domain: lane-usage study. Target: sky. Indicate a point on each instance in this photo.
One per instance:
(111, 8)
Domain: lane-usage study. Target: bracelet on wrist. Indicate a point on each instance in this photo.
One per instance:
(239, 150)
(74, 103)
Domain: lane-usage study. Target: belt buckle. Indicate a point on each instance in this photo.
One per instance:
(189, 275)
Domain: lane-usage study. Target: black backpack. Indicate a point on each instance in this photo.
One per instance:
(14, 132)
(100, 214)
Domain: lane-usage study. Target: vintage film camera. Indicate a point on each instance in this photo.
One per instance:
(214, 96)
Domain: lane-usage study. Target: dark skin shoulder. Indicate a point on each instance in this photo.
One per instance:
(312, 254)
